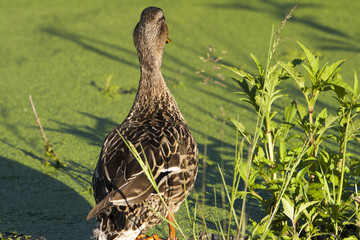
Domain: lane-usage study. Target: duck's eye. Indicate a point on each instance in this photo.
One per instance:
(162, 18)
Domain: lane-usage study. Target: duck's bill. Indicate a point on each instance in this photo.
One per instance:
(168, 41)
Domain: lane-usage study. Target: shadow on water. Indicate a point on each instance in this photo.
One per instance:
(37, 204)
(121, 53)
(83, 42)
(280, 8)
(94, 135)
(336, 39)
(73, 169)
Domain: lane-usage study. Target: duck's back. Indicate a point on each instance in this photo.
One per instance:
(163, 141)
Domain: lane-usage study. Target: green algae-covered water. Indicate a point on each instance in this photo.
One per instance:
(63, 52)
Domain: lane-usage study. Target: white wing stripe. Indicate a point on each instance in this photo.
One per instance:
(172, 169)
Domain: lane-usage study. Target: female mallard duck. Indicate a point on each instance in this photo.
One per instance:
(158, 131)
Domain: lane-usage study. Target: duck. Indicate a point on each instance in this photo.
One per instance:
(127, 204)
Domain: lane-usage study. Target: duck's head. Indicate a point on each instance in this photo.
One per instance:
(151, 35)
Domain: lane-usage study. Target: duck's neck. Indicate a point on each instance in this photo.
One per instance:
(151, 79)
(153, 94)
(152, 85)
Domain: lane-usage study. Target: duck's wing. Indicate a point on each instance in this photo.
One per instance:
(119, 179)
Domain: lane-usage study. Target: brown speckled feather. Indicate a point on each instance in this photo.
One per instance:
(158, 131)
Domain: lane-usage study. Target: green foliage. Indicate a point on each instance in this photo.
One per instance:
(50, 156)
(115, 91)
(109, 89)
(306, 188)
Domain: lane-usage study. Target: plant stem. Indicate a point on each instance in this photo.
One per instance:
(312, 139)
(242, 215)
(270, 143)
(38, 121)
(285, 185)
(311, 106)
(342, 161)
(203, 204)
(233, 191)
(294, 227)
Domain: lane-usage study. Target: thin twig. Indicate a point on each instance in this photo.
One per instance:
(49, 150)
(38, 121)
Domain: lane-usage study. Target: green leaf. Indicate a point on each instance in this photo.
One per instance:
(258, 65)
(300, 175)
(241, 194)
(258, 100)
(240, 72)
(299, 80)
(333, 178)
(338, 81)
(243, 170)
(316, 190)
(312, 59)
(331, 70)
(312, 77)
(322, 70)
(352, 129)
(282, 150)
(274, 97)
(329, 120)
(240, 127)
(272, 114)
(356, 84)
(260, 152)
(301, 111)
(322, 114)
(290, 112)
(273, 74)
(288, 208)
(325, 187)
(258, 186)
(302, 207)
(340, 92)
(249, 92)
(287, 237)
(266, 161)
(352, 237)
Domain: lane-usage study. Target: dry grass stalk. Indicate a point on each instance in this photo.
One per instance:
(49, 150)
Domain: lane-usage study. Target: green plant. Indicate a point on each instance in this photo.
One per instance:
(109, 89)
(114, 91)
(310, 183)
